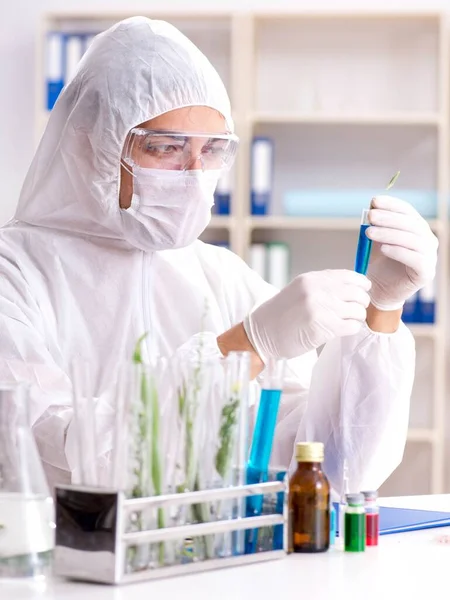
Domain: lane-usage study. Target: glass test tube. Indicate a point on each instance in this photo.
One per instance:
(364, 245)
(342, 505)
(332, 524)
(84, 420)
(266, 419)
(238, 385)
(262, 442)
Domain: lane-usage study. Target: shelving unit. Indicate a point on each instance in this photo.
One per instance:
(310, 81)
(319, 223)
(406, 118)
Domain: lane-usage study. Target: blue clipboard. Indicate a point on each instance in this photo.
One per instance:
(400, 520)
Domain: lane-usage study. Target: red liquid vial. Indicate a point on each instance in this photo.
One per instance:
(372, 528)
(372, 517)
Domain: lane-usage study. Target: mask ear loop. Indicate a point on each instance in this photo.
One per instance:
(126, 167)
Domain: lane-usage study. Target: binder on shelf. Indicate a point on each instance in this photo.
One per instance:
(221, 244)
(222, 195)
(427, 302)
(63, 53)
(278, 264)
(421, 307)
(54, 67)
(261, 175)
(74, 50)
(411, 312)
(257, 260)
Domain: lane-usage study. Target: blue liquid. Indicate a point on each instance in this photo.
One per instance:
(363, 251)
(263, 435)
(332, 525)
(278, 529)
(260, 452)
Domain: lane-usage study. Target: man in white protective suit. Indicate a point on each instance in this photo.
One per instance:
(107, 225)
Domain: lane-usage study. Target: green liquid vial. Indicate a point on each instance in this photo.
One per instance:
(355, 524)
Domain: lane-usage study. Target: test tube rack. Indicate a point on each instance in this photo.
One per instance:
(93, 535)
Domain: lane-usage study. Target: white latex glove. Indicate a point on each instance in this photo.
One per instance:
(314, 308)
(405, 254)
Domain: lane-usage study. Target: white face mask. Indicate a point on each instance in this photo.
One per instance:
(170, 209)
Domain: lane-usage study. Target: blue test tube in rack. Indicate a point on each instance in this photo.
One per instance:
(262, 442)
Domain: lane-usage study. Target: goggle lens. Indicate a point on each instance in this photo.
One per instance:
(179, 150)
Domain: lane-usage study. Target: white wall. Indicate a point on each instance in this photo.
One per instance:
(19, 28)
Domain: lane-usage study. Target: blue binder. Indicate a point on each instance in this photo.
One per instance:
(400, 520)
(262, 167)
(54, 67)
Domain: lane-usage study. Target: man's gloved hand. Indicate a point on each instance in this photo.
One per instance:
(404, 253)
(314, 308)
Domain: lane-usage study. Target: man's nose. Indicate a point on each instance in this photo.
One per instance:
(194, 163)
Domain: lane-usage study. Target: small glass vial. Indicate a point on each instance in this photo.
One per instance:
(309, 501)
(355, 524)
(372, 517)
(332, 525)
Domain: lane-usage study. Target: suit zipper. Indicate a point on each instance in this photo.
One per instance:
(146, 301)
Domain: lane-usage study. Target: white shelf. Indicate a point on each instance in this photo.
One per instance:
(394, 118)
(424, 330)
(354, 15)
(281, 222)
(94, 15)
(422, 435)
(319, 223)
(221, 222)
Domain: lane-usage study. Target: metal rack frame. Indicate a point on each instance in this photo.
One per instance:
(97, 552)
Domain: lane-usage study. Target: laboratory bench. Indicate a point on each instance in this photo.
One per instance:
(406, 565)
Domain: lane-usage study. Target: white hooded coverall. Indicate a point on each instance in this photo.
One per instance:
(76, 277)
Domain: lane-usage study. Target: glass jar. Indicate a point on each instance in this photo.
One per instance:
(26, 506)
(309, 501)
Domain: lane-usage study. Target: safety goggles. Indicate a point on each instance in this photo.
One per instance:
(179, 151)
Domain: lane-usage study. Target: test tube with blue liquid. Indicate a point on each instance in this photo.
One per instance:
(364, 245)
(262, 442)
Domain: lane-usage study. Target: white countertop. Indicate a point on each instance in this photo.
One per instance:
(407, 565)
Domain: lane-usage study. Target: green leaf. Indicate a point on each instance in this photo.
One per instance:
(181, 399)
(392, 181)
(137, 354)
(226, 434)
(156, 462)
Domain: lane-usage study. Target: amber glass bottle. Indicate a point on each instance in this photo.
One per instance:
(309, 501)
